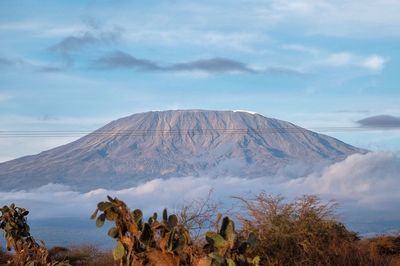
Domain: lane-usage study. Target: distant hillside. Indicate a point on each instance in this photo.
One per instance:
(165, 144)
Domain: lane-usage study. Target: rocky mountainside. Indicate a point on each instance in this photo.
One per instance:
(178, 143)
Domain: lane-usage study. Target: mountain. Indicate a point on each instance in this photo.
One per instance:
(176, 143)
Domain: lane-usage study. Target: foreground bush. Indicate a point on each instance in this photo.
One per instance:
(303, 232)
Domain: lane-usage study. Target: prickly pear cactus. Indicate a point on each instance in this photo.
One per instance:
(13, 221)
(225, 250)
(144, 243)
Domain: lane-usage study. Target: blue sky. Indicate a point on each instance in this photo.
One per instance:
(76, 65)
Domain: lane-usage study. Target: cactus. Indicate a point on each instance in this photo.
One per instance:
(13, 221)
(225, 249)
(139, 243)
(168, 242)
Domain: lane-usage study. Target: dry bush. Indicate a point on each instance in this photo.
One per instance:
(83, 255)
(301, 232)
(383, 249)
(199, 216)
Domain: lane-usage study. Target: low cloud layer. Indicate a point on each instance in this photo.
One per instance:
(367, 181)
(380, 121)
(364, 184)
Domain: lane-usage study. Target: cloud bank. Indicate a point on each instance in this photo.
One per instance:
(364, 184)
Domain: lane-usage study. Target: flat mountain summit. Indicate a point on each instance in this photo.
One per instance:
(162, 144)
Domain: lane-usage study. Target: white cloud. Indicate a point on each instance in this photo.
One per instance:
(374, 62)
(369, 180)
(343, 59)
(314, 57)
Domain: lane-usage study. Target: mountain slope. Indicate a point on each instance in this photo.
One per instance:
(175, 143)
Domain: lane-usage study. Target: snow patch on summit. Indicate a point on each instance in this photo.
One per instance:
(245, 111)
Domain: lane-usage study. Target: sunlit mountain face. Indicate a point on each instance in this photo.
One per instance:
(181, 143)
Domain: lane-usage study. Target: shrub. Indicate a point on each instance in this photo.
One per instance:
(301, 232)
(383, 250)
(198, 216)
(83, 255)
